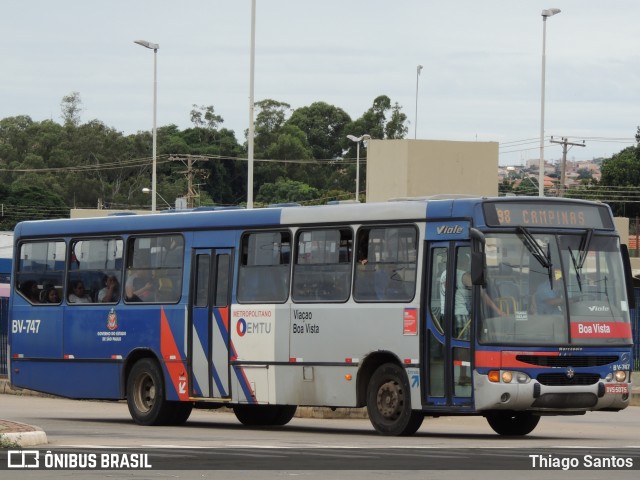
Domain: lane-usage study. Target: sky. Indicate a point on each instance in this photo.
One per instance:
(481, 79)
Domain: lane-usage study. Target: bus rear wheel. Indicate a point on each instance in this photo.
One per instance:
(512, 423)
(389, 402)
(146, 397)
(263, 415)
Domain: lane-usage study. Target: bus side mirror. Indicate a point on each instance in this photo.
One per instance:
(478, 258)
(478, 268)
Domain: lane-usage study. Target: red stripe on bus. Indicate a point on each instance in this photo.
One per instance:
(169, 349)
(506, 359)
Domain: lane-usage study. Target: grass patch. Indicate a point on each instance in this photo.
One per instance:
(6, 443)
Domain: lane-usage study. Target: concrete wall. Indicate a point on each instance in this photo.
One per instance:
(417, 168)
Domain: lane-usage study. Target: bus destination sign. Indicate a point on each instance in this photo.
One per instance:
(547, 214)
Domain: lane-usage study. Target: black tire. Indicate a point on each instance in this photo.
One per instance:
(146, 394)
(513, 423)
(389, 402)
(178, 413)
(264, 415)
(284, 414)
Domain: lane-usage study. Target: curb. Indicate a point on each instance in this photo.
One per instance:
(25, 439)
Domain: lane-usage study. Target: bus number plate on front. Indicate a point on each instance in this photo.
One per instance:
(612, 388)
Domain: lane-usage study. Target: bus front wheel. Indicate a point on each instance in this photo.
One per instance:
(389, 402)
(146, 397)
(512, 423)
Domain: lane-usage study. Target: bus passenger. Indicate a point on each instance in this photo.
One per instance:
(139, 286)
(30, 290)
(462, 299)
(51, 295)
(78, 294)
(548, 298)
(109, 293)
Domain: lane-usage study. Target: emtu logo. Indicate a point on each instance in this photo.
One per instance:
(258, 328)
(241, 327)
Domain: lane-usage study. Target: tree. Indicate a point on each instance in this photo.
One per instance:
(622, 170)
(286, 191)
(205, 117)
(71, 107)
(15, 133)
(584, 174)
(374, 122)
(396, 127)
(32, 201)
(270, 118)
(325, 128)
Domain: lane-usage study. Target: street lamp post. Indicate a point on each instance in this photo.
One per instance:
(250, 139)
(415, 128)
(357, 140)
(154, 47)
(545, 14)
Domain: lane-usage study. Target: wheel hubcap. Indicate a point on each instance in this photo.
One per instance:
(146, 393)
(390, 400)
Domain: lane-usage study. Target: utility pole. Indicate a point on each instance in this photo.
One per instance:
(190, 172)
(565, 144)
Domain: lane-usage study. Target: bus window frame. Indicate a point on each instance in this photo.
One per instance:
(296, 253)
(243, 259)
(129, 259)
(61, 280)
(361, 264)
(74, 275)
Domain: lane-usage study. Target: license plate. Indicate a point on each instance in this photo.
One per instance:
(612, 388)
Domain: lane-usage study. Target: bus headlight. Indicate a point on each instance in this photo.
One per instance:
(620, 375)
(507, 376)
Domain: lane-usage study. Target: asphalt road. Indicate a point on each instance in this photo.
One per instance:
(213, 444)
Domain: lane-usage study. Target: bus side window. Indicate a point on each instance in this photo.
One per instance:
(322, 269)
(387, 263)
(96, 263)
(264, 267)
(168, 275)
(41, 266)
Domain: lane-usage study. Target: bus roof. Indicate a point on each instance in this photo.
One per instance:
(418, 209)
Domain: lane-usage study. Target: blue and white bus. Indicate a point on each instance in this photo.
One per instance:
(510, 308)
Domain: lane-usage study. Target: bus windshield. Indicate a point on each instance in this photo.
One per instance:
(560, 289)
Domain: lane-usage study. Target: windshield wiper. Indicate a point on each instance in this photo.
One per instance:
(577, 267)
(584, 247)
(536, 250)
(583, 251)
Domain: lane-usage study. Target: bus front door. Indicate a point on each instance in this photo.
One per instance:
(208, 329)
(449, 369)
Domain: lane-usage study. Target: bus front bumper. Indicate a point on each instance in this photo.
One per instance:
(534, 396)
